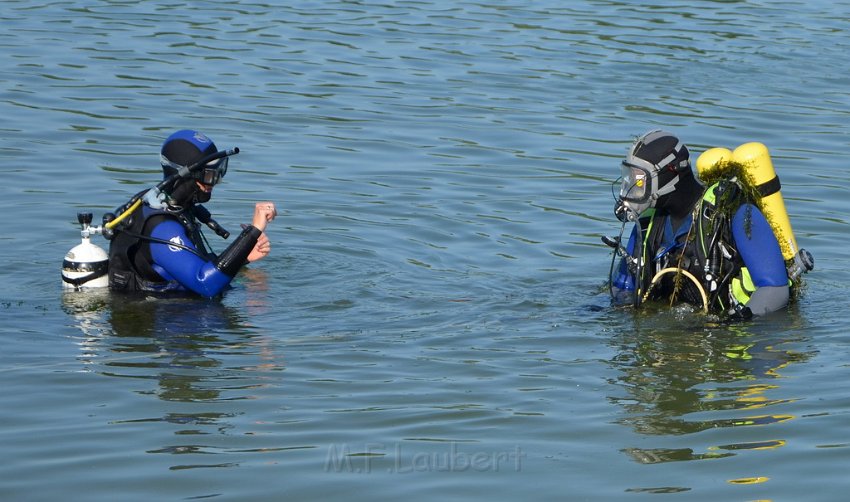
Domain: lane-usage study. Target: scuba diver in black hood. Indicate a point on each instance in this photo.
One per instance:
(157, 245)
(720, 248)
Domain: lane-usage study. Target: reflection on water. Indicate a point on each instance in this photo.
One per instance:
(682, 378)
(195, 351)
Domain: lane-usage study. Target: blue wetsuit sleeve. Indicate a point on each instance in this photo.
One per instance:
(759, 248)
(623, 279)
(184, 266)
(763, 258)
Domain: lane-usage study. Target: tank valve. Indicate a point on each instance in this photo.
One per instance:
(802, 263)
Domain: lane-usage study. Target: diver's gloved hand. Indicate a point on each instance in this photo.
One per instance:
(621, 211)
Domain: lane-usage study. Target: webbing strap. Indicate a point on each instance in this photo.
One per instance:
(769, 187)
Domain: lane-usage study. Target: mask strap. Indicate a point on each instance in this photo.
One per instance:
(669, 187)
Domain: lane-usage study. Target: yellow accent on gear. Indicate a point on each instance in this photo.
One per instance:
(712, 157)
(124, 214)
(757, 159)
(743, 287)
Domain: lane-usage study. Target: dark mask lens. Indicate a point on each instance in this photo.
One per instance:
(212, 175)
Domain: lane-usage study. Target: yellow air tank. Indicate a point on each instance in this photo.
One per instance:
(709, 158)
(758, 164)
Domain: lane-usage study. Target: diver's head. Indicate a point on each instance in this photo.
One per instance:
(655, 164)
(183, 149)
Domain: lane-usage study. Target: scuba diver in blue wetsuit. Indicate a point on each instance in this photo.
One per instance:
(157, 245)
(711, 247)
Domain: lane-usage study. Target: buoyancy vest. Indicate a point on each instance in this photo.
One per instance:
(130, 261)
(717, 260)
(703, 246)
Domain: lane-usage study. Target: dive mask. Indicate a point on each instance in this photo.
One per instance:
(638, 186)
(636, 183)
(212, 172)
(639, 189)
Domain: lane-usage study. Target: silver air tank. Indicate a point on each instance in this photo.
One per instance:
(85, 265)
